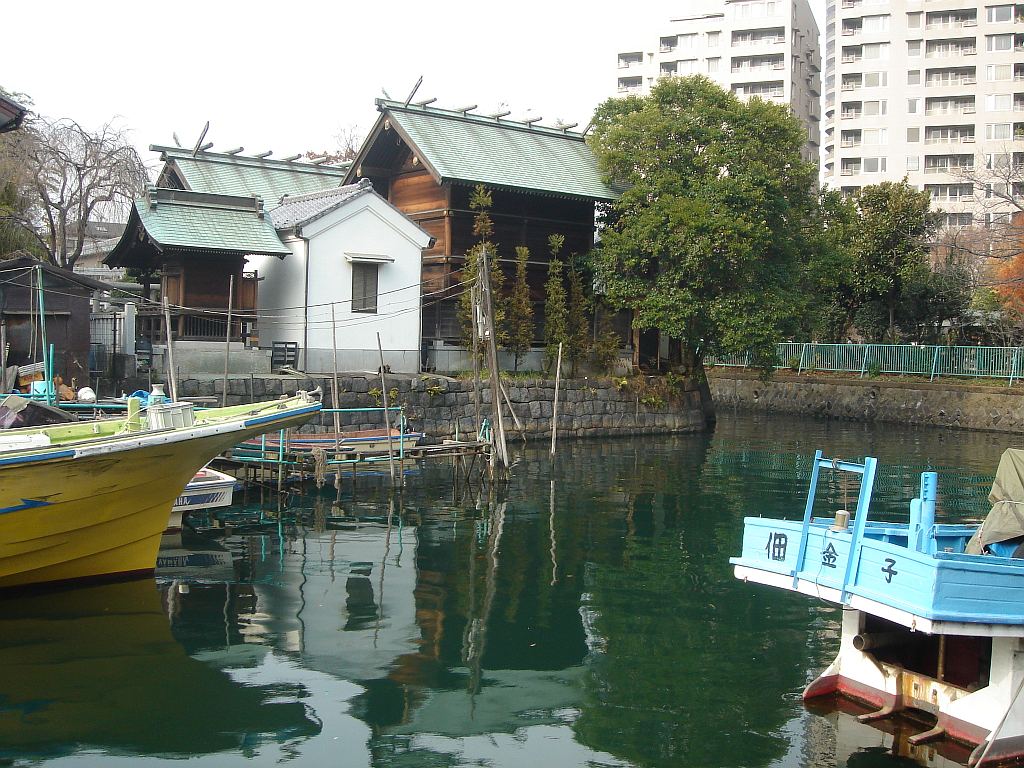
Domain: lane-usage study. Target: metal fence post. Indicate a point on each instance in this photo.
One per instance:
(864, 364)
(803, 349)
(935, 362)
(1013, 366)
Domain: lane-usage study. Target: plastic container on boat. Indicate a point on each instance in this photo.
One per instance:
(170, 415)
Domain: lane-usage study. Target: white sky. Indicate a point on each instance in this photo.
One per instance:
(290, 75)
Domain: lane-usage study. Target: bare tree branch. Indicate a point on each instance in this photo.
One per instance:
(71, 177)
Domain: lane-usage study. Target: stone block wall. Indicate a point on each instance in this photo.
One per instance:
(441, 406)
(945, 404)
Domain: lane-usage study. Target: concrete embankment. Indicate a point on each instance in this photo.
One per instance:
(439, 406)
(942, 403)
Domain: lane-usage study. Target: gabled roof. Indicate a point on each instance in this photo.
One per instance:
(474, 149)
(177, 219)
(245, 176)
(11, 114)
(25, 263)
(303, 209)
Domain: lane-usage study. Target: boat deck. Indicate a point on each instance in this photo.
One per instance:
(914, 573)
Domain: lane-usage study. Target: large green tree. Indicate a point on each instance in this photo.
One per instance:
(890, 247)
(706, 241)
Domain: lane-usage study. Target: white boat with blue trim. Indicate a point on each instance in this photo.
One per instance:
(933, 614)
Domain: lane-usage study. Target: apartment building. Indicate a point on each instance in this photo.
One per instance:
(929, 89)
(766, 48)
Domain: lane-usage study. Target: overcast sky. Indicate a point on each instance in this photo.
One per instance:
(289, 76)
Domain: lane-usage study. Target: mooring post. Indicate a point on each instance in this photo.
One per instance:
(387, 421)
(171, 376)
(227, 340)
(334, 386)
(492, 361)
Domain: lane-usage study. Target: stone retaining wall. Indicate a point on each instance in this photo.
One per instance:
(961, 406)
(440, 405)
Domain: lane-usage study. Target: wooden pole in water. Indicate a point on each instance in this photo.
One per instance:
(475, 294)
(334, 388)
(508, 402)
(492, 361)
(554, 405)
(227, 340)
(171, 377)
(387, 421)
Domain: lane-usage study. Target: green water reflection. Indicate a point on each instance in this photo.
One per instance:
(587, 617)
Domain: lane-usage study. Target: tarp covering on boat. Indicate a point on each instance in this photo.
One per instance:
(20, 412)
(1006, 520)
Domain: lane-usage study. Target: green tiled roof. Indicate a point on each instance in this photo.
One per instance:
(207, 222)
(239, 175)
(500, 153)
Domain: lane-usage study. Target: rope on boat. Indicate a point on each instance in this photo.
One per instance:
(319, 466)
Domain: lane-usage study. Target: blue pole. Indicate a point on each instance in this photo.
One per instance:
(42, 331)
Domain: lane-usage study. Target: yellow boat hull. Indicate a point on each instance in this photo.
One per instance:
(102, 514)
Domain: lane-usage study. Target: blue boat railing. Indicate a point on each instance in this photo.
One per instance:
(898, 359)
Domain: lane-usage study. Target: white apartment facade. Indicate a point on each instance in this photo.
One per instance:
(766, 48)
(925, 89)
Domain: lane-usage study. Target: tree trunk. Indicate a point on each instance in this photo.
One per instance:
(693, 365)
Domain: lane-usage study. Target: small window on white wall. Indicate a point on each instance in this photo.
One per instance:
(364, 286)
(913, 163)
(998, 13)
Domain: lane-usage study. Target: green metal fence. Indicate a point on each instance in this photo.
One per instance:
(903, 359)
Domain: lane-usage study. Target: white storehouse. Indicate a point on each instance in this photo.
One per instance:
(354, 252)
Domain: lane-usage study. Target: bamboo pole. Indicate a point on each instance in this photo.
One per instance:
(334, 387)
(554, 406)
(387, 421)
(227, 340)
(508, 402)
(171, 376)
(475, 301)
(492, 362)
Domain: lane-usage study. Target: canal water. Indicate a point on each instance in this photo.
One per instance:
(587, 617)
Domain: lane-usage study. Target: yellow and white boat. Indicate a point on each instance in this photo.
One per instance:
(91, 499)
